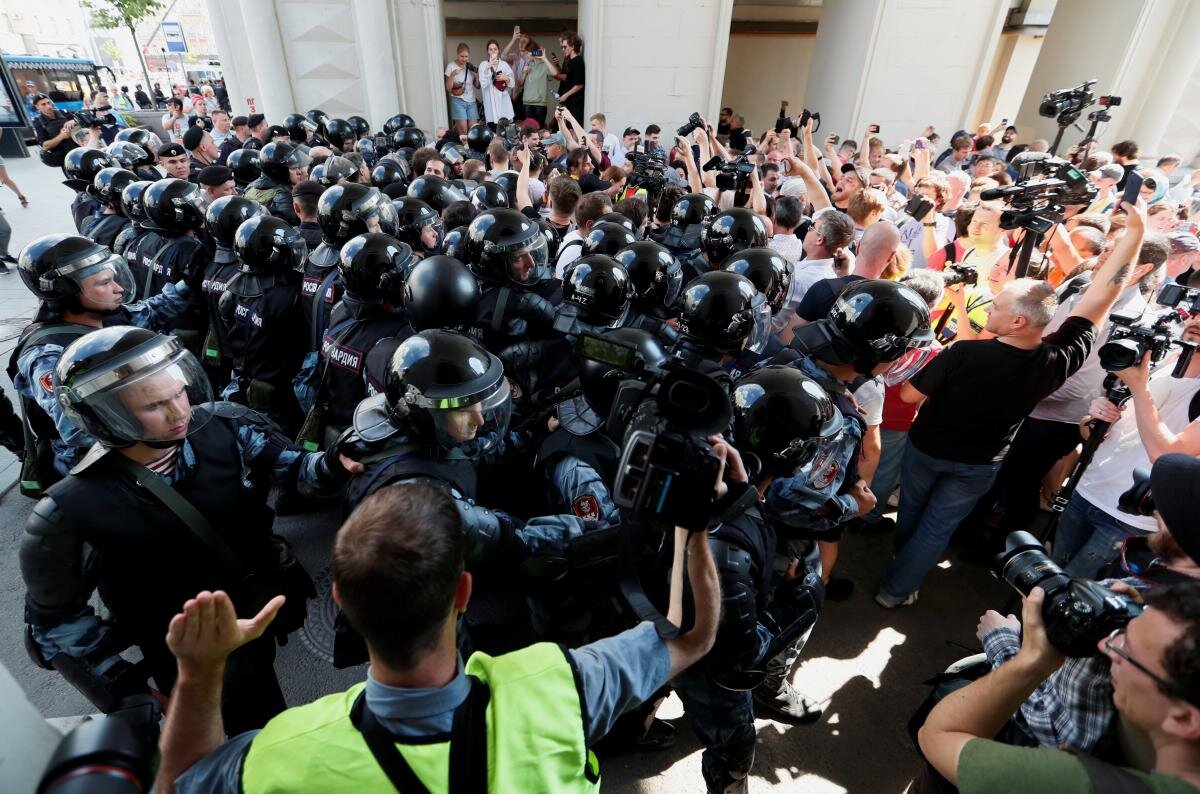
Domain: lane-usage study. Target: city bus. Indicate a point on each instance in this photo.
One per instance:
(68, 81)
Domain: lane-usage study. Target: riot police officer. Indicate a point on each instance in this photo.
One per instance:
(606, 237)
(172, 502)
(81, 286)
(104, 227)
(781, 418)
(771, 274)
(264, 317)
(125, 243)
(682, 235)
(419, 226)
(221, 222)
(722, 236)
(80, 167)
(246, 165)
(134, 157)
(508, 253)
(176, 208)
(372, 267)
(721, 315)
(657, 281)
(435, 191)
(284, 165)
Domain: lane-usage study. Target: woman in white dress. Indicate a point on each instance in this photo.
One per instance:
(496, 78)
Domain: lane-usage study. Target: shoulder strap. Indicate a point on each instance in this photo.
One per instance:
(51, 329)
(317, 320)
(150, 270)
(1109, 779)
(184, 510)
(468, 745)
(951, 249)
(1194, 407)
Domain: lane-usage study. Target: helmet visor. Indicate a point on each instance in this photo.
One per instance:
(760, 310)
(104, 281)
(529, 263)
(907, 365)
(670, 283)
(473, 429)
(388, 220)
(157, 394)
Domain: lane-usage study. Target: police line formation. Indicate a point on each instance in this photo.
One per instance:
(313, 329)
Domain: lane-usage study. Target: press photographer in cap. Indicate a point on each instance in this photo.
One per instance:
(1137, 699)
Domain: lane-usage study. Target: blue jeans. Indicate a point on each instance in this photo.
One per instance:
(1088, 538)
(724, 723)
(935, 496)
(887, 473)
(462, 110)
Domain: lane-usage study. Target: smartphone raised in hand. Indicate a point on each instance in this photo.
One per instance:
(874, 129)
(1133, 188)
(918, 207)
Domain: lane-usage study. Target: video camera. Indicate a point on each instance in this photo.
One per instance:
(98, 117)
(1066, 104)
(693, 123)
(663, 415)
(648, 174)
(1046, 185)
(1078, 613)
(960, 274)
(1129, 340)
(733, 174)
(793, 123)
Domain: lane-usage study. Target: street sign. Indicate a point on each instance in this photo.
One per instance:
(173, 34)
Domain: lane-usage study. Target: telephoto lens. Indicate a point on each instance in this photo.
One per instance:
(1078, 613)
(960, 274)
(1138, 500)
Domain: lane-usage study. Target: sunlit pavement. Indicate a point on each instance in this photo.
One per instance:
(865, 662)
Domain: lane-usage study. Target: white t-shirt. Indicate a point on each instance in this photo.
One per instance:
(869, 397)
(1122, 450)
(466, 78)
(789, 246)
(912, 233)
(806, 273)
(567, 253)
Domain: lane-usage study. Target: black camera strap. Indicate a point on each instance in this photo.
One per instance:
(468, 745)
(1107, 778)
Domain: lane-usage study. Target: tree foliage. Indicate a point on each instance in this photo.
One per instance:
(109, 14)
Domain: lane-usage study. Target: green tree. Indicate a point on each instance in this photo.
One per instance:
(113, 14)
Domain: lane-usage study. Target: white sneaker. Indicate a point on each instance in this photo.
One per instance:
(891, 602)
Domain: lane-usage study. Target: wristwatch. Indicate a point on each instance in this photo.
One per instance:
(929, 224)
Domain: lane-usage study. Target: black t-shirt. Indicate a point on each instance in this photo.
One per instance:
(590, 183)
(821, 296)
(1129, 168)
(979, 391)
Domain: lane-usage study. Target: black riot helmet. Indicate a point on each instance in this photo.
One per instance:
(341, 134)
(770, 272)
(442, 390)
(780, 418)
(600, 380)
(397, 122)
(479, 138)
(348, 210)
(278, 158)
(226, 214)
(873, 322)
(373, 267)
(551, 235)
(320, 118)
(109, 183)
(691, 209)
(607, 239)
(656, 276)
(412, 216)
(387, 172)
(435, 191)
(488, 196)
(440, 292)
(508, 181)
(503, 246)
(144, 138)
(246, 165)
(620, 220)
(728, 232)
(334, 170)
(360, 125)
(125, 385)
(295, 124)
(55, 268)
(266, 245)
(723, 312)
(455, 243)
(408, 138)
(131, 199)
(129, 155)
(83, 165)
(600, 287)
(175, 205)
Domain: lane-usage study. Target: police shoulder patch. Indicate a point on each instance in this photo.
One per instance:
(47, 381)
(586, 507)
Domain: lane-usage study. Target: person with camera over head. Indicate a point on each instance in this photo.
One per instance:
(1074, 705)
(1159, 419)
(54, 129)
(1155, 688)
(967, 419)
(172, 500)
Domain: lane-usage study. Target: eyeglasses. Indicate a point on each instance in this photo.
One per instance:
(1168, 688)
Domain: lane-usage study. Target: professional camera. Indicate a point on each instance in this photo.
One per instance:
(1068, 103)
(1047, 185)
(732, 174)
(960, 274)
(664, 416)
(98, 117)
(1138, 500)
(1129, 341)
(1078, 613)
(693, 123)
(648, 174)
(112, 753)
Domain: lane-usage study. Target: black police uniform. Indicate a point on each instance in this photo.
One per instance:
(355, 328)
(46, 129)
(311, 232)
(104, 229)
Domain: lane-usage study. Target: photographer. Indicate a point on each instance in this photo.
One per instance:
(1162, 421)
(110, 122)
(1074, 705)
(960, 435)
(53, 129)
(1155, 687)
(553, 704)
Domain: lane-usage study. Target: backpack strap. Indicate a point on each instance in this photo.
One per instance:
(1109, 779)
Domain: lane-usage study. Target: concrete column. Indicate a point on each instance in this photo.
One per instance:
(1130, 35)
(261, 25)
(635, 80)
(234, 48)
(381, 83)
(1163, 92)
(863, 69)
(418, 34)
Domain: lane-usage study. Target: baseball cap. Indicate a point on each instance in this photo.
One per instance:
(631, 131)
(255, 119)
(192, 138)
(1110, 171)
(556, 138)
(308, 188)
(1174, 482)
(1183, 243)
(214, 175)
(171, 150)
(863, 176)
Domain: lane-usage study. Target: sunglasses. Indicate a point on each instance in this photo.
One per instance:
(1168, 688)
